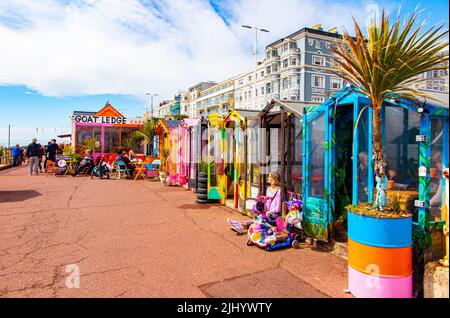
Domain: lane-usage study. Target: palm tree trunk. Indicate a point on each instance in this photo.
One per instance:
(378, 153)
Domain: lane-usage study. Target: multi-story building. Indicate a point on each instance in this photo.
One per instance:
(194, 94)
(295, 68)
(435, 81)
(218, 99)
(184, 103)
(165, 109)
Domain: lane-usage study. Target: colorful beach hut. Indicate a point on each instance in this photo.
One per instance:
(228, 169)
(280, 145)
(337, 170)
(183, 152)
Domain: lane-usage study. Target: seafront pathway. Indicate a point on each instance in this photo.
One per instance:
(77, 237)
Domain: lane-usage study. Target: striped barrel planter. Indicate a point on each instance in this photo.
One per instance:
(380, 257)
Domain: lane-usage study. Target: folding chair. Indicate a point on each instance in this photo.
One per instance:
(140, 172)
(121, 170)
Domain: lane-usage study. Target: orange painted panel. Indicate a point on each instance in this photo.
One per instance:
(380, 261)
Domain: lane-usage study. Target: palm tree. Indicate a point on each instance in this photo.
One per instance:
(384, 65)
(148, 133)
(128, 142)
(89, 143)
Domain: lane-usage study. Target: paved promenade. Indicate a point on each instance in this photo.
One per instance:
(140, 239)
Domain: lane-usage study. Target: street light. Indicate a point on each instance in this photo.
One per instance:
(151, 95)
(255, 53)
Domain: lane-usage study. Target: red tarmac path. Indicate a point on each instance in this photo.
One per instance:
(140, 239)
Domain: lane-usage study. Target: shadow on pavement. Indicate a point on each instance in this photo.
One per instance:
(16, 196)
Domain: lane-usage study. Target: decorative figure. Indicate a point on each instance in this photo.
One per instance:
(380, 199)
(444, 262)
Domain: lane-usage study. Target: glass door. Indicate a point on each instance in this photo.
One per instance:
(317, 184)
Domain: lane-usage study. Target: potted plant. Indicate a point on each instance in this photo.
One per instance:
(164, 164)
(382, 66)
(162, 177)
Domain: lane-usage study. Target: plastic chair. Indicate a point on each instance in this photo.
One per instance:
(121, 170)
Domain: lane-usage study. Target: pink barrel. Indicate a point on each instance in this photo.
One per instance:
(372, 286)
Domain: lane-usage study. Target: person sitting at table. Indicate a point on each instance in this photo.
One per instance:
(121, 156)
(132, 156)
(88, 161)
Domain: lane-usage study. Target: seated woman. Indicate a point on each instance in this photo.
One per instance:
(88, 161)
(132, 156)
(273, 206)
(121, 156)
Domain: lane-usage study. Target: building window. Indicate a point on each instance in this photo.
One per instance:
(262, 91)
(262, 73)
(268, 69)
(294, 61)
(293, 97)
(285, 47)
(318, 81)
(317, 44)
(250, 78)
(318, 60)
(285, 63)
(293, 45)
(335, 83)
(275, 67)
(318, 99)
(285, 83)
(268, 88)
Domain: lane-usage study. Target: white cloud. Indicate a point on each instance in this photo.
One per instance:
(125, 47)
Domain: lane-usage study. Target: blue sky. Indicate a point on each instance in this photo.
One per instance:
(60, 56)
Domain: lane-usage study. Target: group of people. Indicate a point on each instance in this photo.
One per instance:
(122, 156)
(35, 154)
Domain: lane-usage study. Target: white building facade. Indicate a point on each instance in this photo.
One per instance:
(296, 68)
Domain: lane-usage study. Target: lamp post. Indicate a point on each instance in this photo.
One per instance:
(255, 53)
(151, 96)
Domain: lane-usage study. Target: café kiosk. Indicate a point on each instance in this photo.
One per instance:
(108, 126)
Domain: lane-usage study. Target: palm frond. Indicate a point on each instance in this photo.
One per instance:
(391, 57)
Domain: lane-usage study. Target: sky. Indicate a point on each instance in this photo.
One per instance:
(57, 56)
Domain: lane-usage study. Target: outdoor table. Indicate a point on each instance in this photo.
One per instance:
(140, 170)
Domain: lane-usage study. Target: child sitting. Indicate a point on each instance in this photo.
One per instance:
(273, 206)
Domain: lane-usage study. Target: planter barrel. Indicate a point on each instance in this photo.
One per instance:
(380, 257)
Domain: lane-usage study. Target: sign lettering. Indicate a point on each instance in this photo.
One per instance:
(99, 120)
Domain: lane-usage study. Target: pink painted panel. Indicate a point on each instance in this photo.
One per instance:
(362, 285)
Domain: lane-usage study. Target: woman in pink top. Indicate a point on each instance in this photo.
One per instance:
(273, 206)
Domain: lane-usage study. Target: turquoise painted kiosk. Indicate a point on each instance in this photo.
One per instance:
(338, 171)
